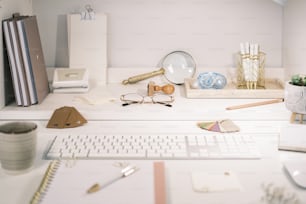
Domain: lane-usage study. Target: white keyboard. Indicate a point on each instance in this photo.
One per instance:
(209, 146)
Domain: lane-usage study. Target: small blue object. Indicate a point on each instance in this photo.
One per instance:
(211, 80)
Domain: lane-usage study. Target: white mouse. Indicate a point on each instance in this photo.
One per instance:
(297, 171)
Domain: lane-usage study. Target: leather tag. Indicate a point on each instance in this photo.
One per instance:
(66, 117)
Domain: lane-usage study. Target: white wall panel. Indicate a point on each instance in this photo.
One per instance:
(294, 50)
(140, 32)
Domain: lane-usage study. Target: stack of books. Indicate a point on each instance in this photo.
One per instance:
(26, 61)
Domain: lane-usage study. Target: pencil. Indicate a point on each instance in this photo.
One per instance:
(279, 100)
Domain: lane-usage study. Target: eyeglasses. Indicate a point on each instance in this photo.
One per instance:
(132, 98)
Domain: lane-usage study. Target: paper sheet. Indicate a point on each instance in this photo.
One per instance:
(215, 182)
(70, 183)
(87, 42)
(292, 137)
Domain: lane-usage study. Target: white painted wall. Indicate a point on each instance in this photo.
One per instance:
(294, 38)
(140, 32)
(7, 7)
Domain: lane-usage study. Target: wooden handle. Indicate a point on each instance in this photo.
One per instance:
(141, 77)
(167, 89)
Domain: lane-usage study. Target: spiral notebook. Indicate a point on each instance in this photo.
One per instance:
(68, 181)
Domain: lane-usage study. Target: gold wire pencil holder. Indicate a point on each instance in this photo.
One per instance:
(249, 77)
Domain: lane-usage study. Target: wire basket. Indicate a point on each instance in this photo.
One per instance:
(250, 71)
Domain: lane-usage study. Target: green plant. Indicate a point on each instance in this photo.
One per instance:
(298, 80)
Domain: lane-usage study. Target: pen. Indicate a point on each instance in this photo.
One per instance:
(255, 104)
(129, 170)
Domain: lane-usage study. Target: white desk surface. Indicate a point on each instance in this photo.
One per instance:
(108, 116)
(103, 103)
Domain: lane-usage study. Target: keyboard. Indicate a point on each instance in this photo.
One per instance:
(162, 147)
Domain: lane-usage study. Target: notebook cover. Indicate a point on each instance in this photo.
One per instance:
(33, 41)
(12, 83)
(27, 62)
(292, 138)
(18, 61)
(68, 181)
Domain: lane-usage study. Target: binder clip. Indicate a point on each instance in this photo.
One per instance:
(166, 89)
(66, 117)
(88, 14)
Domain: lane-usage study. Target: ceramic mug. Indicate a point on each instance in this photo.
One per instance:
(17, 146)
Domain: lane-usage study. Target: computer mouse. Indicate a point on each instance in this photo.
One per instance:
(297, 171)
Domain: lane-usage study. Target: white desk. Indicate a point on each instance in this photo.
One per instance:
(108, 116)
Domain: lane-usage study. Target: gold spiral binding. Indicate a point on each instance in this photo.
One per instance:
(43, 187)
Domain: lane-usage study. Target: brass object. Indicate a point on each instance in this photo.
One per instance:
(241, 81)
(137, 78)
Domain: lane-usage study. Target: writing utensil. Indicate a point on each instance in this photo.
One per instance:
(129, 170)
(279, 100)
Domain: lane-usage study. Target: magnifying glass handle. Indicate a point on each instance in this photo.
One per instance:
(141, 77)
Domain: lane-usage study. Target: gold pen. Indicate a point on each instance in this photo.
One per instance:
(129, 170)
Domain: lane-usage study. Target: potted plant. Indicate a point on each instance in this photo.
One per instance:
(295, 94)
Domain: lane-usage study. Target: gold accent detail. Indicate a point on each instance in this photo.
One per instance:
(241, 82)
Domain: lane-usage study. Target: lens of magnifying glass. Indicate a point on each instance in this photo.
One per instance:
(178, 65)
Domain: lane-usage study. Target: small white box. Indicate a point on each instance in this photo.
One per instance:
(70, 78)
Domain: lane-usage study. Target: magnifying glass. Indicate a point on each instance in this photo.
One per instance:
(175, 66)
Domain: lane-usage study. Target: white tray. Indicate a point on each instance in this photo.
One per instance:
(274, 88)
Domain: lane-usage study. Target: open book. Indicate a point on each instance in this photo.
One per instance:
(68, 182)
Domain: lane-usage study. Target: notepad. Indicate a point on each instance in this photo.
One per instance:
(205, 182)
(68, 182)
(87, 42)
(292, 137)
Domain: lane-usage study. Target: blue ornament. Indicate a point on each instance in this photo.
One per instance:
(211, 80)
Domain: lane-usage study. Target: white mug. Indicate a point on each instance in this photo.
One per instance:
(17, 146)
